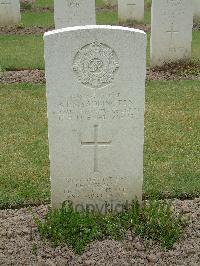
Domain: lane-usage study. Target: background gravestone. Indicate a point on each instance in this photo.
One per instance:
(130, 10)
(68, 13)
(196, 8)
(171, 31)
(9, 12)
(95, 92)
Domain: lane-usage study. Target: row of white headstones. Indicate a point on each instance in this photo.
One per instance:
(95, 81)
(171, 25)
(128, 10)
(130, 14)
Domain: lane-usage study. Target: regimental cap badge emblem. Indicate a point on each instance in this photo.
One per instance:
(95, 65)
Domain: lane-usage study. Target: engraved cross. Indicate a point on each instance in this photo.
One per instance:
(96, 144)
(172, 31)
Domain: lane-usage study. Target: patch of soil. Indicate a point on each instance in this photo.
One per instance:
(37, 30)
(20, 243)
(168, 72)
(51, 9)
(107, 8)
(175, 71)
(35, 9)
(38, 9)
(144, 27)
(23, 76)
(18, 30)
(196, 26)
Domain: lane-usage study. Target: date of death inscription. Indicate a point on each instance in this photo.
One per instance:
(111, 106)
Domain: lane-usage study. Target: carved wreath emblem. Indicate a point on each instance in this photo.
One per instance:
(95, 65)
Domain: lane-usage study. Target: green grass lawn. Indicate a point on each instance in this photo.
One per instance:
(43, 19)
(171, 140)
(44, 3)
(49, 3)
(21, 52)
(171, 165)
(111, 18)
(46, 19)
(171, 143)
(196, 45)
(26, 52)
(24, 161)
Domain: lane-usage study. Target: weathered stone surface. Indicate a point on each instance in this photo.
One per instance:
(130, 10)
(9, 12)
(171, 31)
(68, 13)
(196, 8)
(95, 92)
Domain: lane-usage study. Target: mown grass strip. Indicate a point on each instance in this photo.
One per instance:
(171, 152)
(26, 52)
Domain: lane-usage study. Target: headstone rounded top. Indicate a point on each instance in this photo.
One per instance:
(94, 27)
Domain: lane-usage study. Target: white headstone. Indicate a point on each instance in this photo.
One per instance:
(9, 12)
(171, 31)
(130, 10)
(95, 92)
(68, 13)
(196, 8)
(110, 2)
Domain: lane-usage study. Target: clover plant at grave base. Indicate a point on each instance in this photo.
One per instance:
(153, 220)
